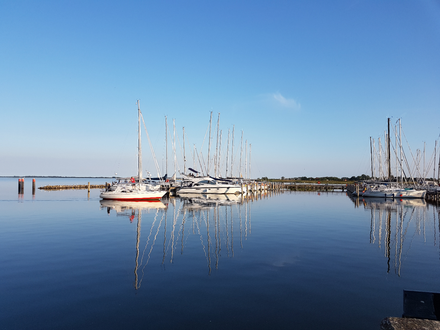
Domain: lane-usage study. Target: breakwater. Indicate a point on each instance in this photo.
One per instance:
(314, 187)
(76, 186)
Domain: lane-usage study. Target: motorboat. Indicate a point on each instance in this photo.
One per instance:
(207, 185)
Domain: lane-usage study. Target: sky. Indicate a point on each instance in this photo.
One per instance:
(306, 83)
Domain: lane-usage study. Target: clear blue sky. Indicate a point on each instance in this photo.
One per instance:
(308, 82)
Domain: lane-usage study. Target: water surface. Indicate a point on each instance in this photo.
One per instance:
(293, 260)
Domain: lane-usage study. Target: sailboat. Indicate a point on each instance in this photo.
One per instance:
(397, 190)
(135, 189)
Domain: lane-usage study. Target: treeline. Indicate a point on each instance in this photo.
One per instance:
(320, 179)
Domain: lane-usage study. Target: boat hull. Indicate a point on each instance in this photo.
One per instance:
(397, 193)
(132, 196)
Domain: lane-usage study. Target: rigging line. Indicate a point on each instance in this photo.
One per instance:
(201, 163)
(201, 239)
(151, 248)
(174, 221)
(151, 148)
(418, 170)
(148, 238)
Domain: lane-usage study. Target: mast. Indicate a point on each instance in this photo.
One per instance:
(184, 158)
(166, 146)
(401, 151)
(389, 151)
(174, 149)
(435, 157)
(219, 153)
(232, 151)
(216, 165)
(380, 159)
(227, 154)
(139, 143)
(371, 156)
(209, 142)
(241, 152)
(395, 153)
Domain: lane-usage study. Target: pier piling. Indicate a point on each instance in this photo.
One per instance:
(21, 186)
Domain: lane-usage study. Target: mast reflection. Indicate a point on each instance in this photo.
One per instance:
(395, 223)
(210, 222)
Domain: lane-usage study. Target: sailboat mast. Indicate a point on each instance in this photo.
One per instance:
(241, 152)
(389, 151)
(435, 157)
(139, 143)
(209, 142)
(371, 156)
(174, 149)
(166, 146)
(232, 151)
(380, 159)
(401, 151)
(227, 154)
(184, 157)
(216, 165)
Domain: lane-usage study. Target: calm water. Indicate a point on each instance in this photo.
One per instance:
(285, 261)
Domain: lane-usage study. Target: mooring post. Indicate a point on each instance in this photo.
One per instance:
(88, 187)
(21, 186)
(33, 186)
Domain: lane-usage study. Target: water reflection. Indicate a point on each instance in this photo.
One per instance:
(396, 223)
(216, 224)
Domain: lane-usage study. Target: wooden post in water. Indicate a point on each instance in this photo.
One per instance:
(33, 186)
(21, 186)
(88, 187)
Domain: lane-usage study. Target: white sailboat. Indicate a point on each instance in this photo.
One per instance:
(397, 189)
(136, 189)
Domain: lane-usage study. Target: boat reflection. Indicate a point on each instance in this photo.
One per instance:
(212, 223)
(121, 206)
(396, 224)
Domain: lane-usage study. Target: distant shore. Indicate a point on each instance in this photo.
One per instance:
(56, 177)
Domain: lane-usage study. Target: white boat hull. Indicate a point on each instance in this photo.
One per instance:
(132, 195)
(395, 193)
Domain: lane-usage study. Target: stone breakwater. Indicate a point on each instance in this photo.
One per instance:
(76, 186)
